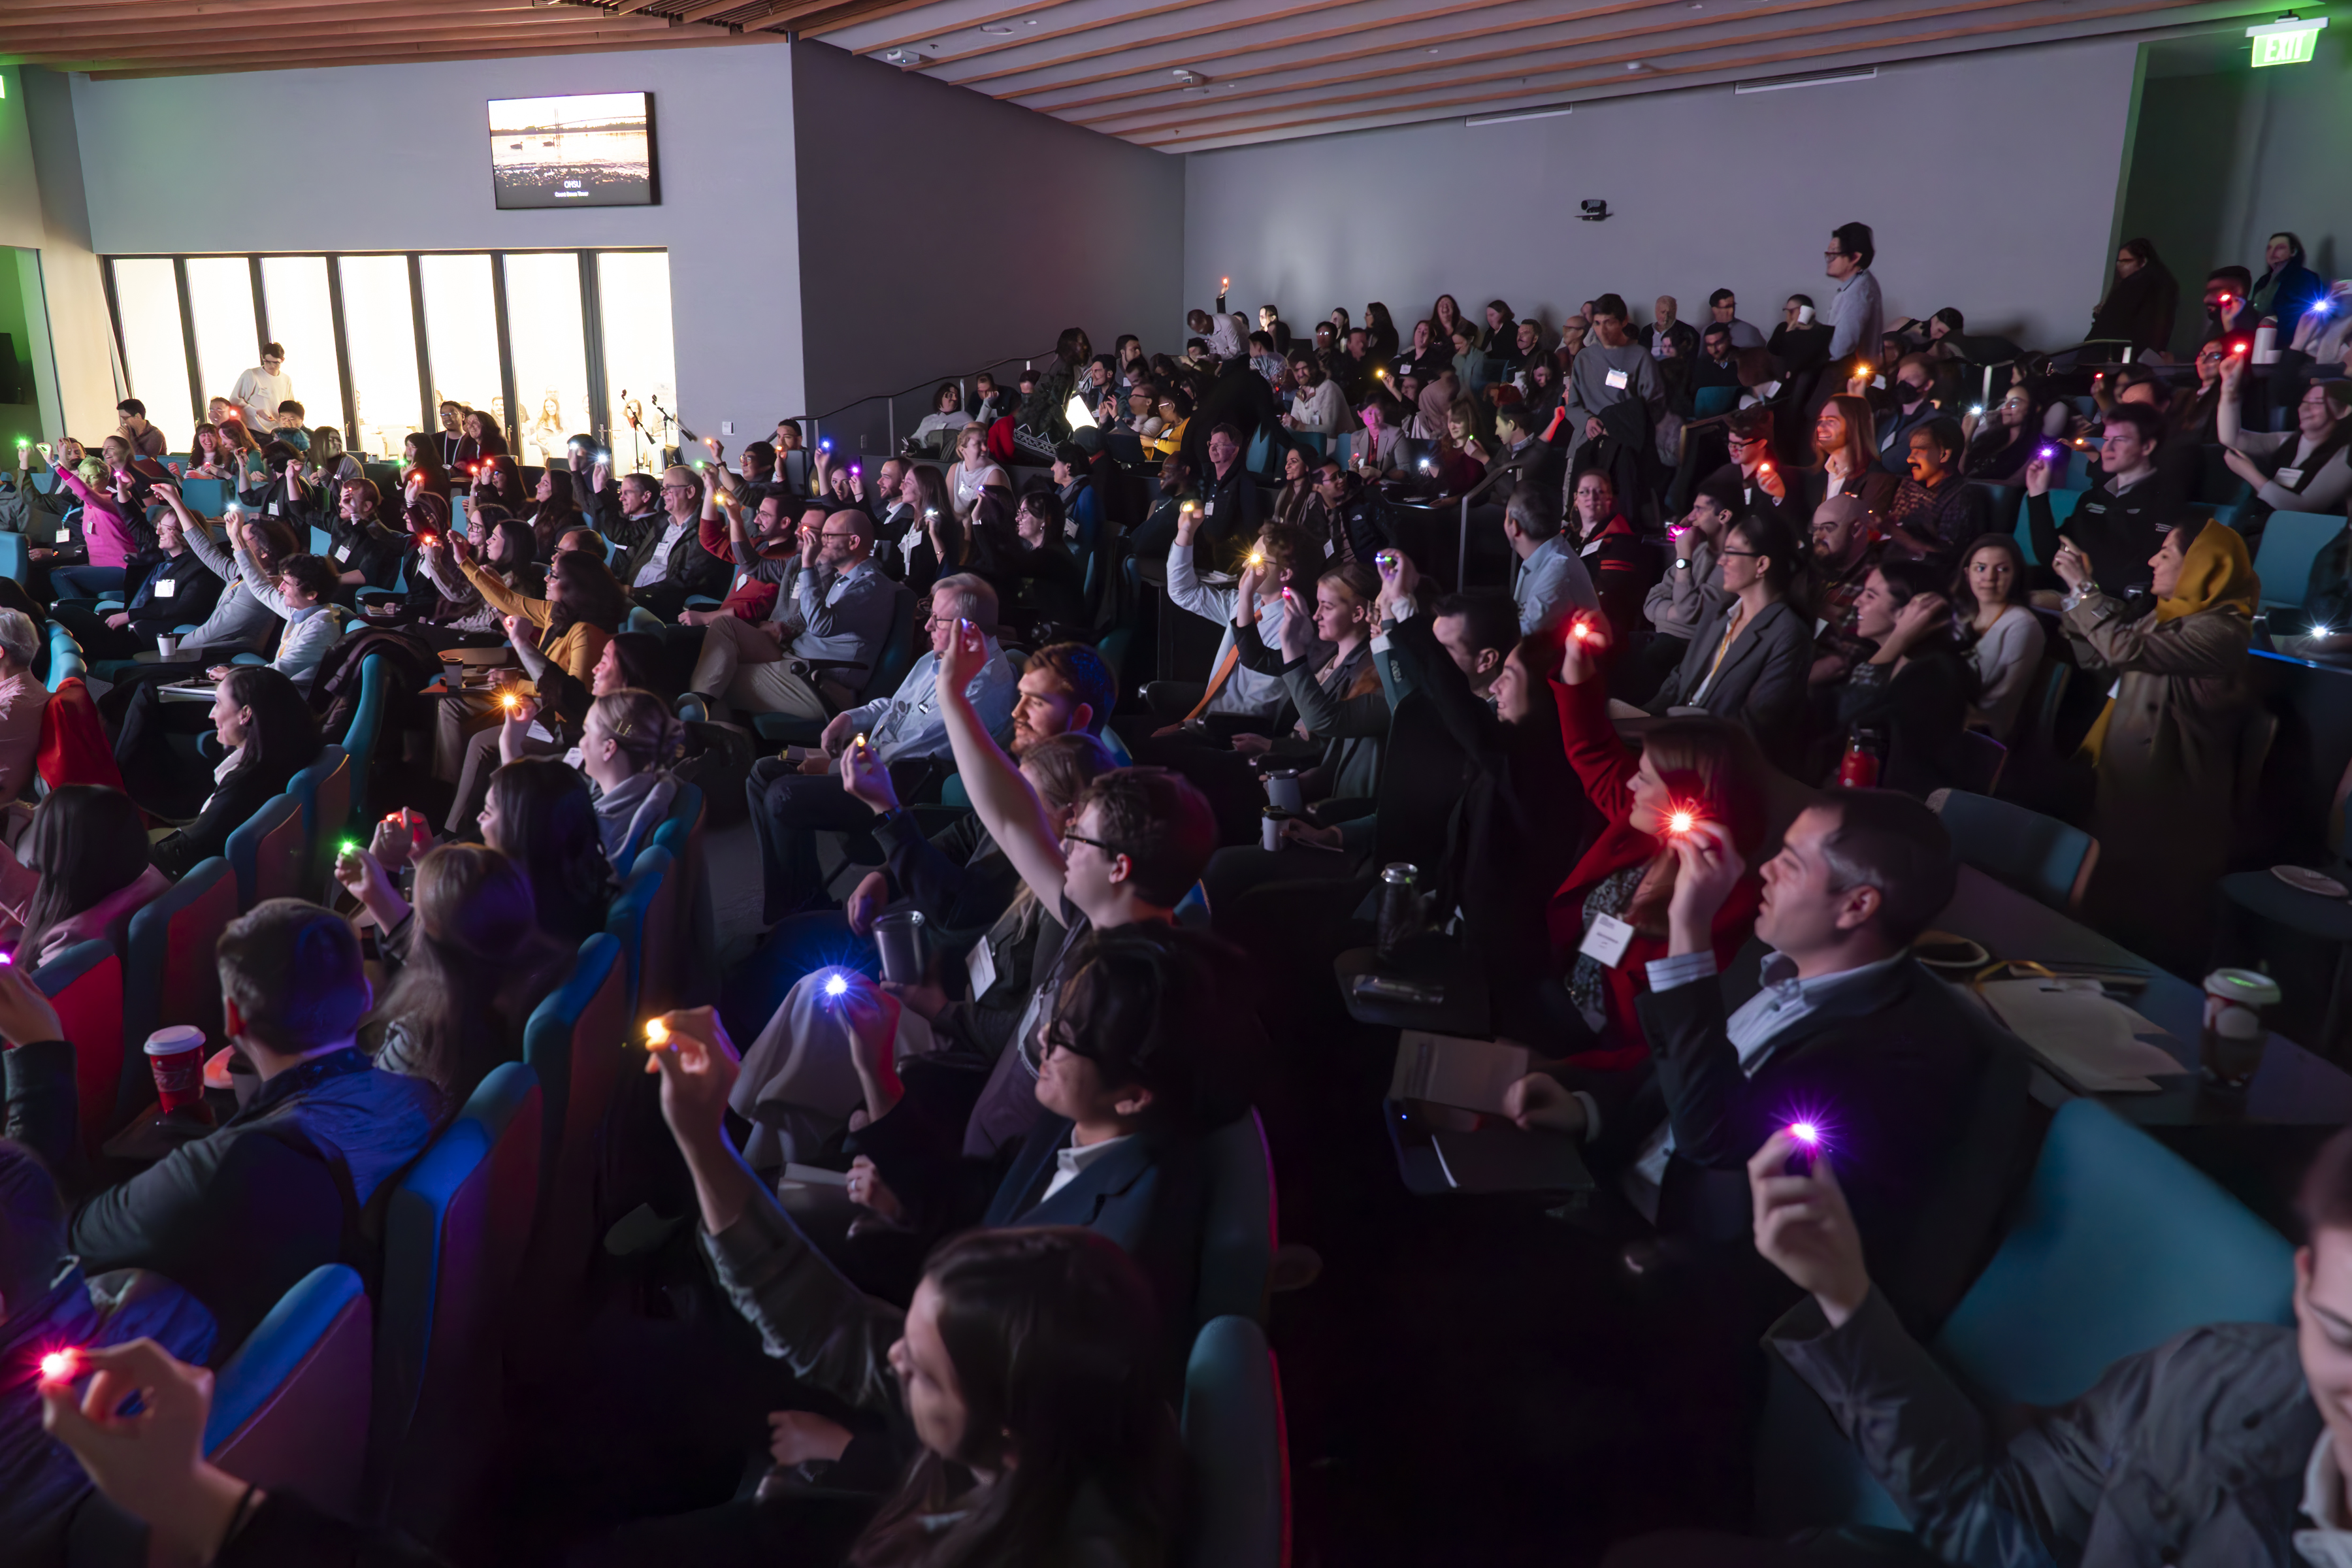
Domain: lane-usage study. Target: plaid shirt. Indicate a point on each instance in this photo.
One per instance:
(1835, 601)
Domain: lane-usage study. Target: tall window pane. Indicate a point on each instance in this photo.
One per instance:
(220, 304)
(154, 354)
(302, 322)
(551, 353)
(461, 330)
(633, 301)
(381, 330)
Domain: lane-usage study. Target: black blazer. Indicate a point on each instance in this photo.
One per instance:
(1145, 1193)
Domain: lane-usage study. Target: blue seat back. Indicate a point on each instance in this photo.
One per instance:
(2291, 543)
(1193, 910)
(291, 1408)
(66, 660)
(84, 982)
(1238, 1229)
(1234, 1434)
(575, 1043)
(206, 497)
(267, 853)
(364, 733)
(1709, 400)
(636, 921)
(171, 971)
(898, 653)
(454, 1235)
(2118, 1246)
(2032, 852)
(2062, 507)
(323, 791)
(644, 620)
(15, 556)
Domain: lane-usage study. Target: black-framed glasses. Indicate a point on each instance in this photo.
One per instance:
(1744, 440)
(1071, 835)
(1751, 554)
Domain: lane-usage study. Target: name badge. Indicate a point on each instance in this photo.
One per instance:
(1618, 379)
(165, 587)
(273, 508)
(2289, 476)
(342, 552)
(1606, 942)
(1209, 506)
(980, 964)
(1820, 625)
(1591, 549)
(1879, 381)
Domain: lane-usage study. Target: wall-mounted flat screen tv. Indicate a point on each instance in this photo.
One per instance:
(585, 150)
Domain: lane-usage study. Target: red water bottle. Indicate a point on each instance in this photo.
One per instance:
(1858, 769)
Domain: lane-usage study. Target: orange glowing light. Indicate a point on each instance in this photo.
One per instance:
(656, 1035)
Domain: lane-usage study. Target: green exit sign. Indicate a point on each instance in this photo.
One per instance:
(2288, 43)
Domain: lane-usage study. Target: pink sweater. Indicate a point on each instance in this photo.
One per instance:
(102, 523)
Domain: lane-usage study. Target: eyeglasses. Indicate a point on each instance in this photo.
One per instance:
(1746, 441)
(1751, 554)
(1070, 836)
(680, 490)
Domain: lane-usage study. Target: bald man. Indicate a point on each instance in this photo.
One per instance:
(832, 612)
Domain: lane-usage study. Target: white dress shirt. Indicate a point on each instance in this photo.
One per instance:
(2328, 1544)
(1072, 1159)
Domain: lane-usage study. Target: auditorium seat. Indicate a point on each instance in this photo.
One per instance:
(575, 1043)
(1233, 1433)
(170, 973)
(2118, 1245)
(643, 918)
(2039, 856)
(454, 1235)
(683, 835)
(1239, 1231)
(890, 666)
(84, 982)
(364, 736)
(323, 791)
(2291, 543)
(291, 1408)
(266, 854)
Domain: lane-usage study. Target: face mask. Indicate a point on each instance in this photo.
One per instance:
(1908, 395)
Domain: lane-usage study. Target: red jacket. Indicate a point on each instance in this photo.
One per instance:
(747, 598)
(1606, 767)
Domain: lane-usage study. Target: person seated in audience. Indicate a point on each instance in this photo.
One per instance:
(206, 1215)
(1173, 415)
(1298, 503)
(1350, 513)
(1235, 698)
(365, 552)
(239, 621)
(164, 589)
(1343, 716)
(1909, 403)
(1692, 589)
(483, 440)
(422, 469)
(2120, 522)
(1747, 443)
(554, 507)
(146, 441)
(790, 798)
(2305, 468)
(1844, 556)
(46, 1304)
(1469, 364)
(2002, 637)
(1552, 583)
(1748, 661)
(209, 456)
(1321, 406)
(1041, 580)
(266, 726)
(2287, 288)
(1422, 355)
(87, 847)
(1935, 511)
(1918, 686)
(1714, 366)
(1462, 449)
(2217, 1447)
(548, 723)
(585, 605)
(630, 510)
(1073, 481)
(1178, 485)
(1845, 457)
(2166, 745)
(2000, 448)
(666, 563)
(1619, 567)
(327, 464)
(827, 623)
(22, 701)
(107, 530)
(973, 471)
(1524, 456)
(540, 813)
(456, 614)
(297, 592)
(628, 745)
(469, 962)
(946, 417)
(1611, 370)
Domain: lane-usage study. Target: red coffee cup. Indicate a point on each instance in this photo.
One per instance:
(176, 1055)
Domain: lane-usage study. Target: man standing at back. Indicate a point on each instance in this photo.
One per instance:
(1612, 370)
(259, 391)
(1854, 311)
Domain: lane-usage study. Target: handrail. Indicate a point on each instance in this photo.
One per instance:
(959, 377)
(1461, 545)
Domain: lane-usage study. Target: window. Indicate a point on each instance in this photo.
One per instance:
(302, 322)
(461, 330)
(220, 307)
(373, 342)
(154, 351)
(380, 335)
(550, 344)
(640, 373)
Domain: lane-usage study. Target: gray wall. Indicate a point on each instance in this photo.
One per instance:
(1991, 180)
(43, 217)
(2225, 159)
(411, 145)
(944, 231)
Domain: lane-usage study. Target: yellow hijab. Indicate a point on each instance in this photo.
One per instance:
(2217, 574)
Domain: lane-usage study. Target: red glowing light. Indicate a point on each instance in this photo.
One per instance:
(59, 1366)
(1680, 821)
(1580, 632)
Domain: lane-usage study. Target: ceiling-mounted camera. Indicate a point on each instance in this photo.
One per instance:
(1595, 212)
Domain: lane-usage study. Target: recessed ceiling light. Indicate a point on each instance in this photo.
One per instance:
(999, 29)
(1030, 22)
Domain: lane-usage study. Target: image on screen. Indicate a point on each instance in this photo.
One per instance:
(589, 150)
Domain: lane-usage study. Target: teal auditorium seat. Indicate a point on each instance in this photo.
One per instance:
(2034, 854)
(639, 922)
(66, 662)
(2118, 1246)
(1233, 1433)
(291, 1408)
(2292, 544)
(2062, 507)
(171, 973)
(890, 666)
(454, 1234)
(364, 734)
(15, 556)
(267, 853)
(574, 1042)
(323, 791)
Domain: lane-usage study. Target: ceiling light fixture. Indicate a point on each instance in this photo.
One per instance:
(999, 29)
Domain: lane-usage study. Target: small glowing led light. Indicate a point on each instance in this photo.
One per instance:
(1861, 370)
(1256, 558)
(656, 1035)
(509, 702)
(1805, 1132)
(351, 846)
(1580, 632)
(1679, 822)
(837, 984)
(59, 1366)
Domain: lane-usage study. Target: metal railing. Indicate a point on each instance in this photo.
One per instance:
(889, 400)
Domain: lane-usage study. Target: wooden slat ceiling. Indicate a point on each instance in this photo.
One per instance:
(1174, 74)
